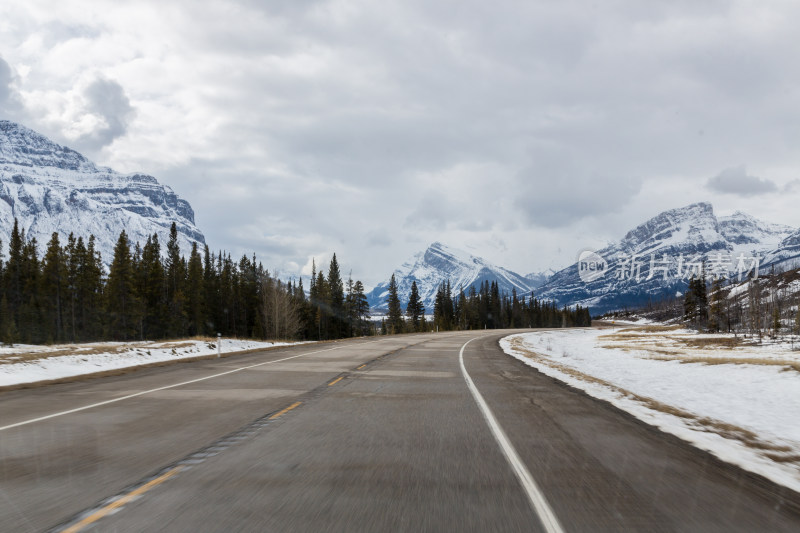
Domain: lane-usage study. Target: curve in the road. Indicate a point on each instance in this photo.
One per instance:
(538, 501)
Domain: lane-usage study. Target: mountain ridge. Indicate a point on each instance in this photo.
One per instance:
(439, 263)
(668, 242)
(51, 188)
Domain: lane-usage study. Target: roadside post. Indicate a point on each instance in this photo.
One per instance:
(219, 345)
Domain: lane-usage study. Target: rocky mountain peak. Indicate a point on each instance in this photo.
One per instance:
(22, 146)
(51, 188)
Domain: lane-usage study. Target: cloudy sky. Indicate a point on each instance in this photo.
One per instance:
(522, 131)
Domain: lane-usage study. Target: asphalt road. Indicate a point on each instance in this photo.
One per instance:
(365, 435)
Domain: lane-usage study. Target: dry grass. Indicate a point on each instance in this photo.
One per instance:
(650, 348)
(787, 458)
(786, 363)
(775, 452)
(95, 349)
(711, 342)
(20, 357)
(651, 328)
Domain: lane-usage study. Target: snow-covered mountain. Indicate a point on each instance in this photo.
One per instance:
(673, 243)
(51, 188)
(748, 234)
(438, 264)
(537, 279)
(785, 256)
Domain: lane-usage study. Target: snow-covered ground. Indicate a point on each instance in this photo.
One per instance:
(738, 401)
(28, 364)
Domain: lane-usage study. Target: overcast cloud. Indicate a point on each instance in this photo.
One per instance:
(737, 181)
(520, 130)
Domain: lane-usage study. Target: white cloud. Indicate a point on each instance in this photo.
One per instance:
(296, 128)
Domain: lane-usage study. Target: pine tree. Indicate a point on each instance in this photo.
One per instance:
(90, 291)
(52, 289)
(440, 309)
(349, 306)
(211, 304)
(194, 302)
(121, 301)
(415, 309)
(335, 300)
(715, 312)
(175, 285)
(321, 306)
(395, 313)
(151, 289)
(13, 271)
(72, 259)
(797, 321)
(776, 321)
(30, 314)
(361, 308)
(8, 329)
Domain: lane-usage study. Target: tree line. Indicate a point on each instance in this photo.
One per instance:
(483, 308)
(762, 305)
(65, 296)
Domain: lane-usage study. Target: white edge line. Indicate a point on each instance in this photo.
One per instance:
(62, 413)
(538, 501)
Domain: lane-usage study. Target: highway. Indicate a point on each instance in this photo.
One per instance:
(428, 432)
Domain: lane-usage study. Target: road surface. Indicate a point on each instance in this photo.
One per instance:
(382, 434)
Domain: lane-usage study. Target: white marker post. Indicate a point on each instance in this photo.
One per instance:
(219, 345)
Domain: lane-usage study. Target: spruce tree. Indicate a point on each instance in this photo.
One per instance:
(152, 289)
(90, 291)
(194, 302)
(13, 270)
(72, 259)
(8, 329)
(349, 306)
(776, 322)
(335, 300)
(52, 289)
(361, 308)
(797, 321)
(210, 292)
(395, 313)
(121, 302)
(175, 285)
(30, 313)
(715, 311)
(322, 307)
(415, 308)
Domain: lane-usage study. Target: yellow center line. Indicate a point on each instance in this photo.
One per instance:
(335, 381)
(362, 366)
(122, 501)
(284, 411)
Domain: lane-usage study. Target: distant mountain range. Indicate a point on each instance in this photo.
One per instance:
(674, 243)
(440, 263)
(51, 188)
(673, 240)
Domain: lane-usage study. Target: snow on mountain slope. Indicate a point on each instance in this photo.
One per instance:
(692, 233)
(785, 256)
(537, 279)
(50, 188)
(748, 234)
(438, 264)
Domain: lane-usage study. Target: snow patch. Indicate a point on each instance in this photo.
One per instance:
(29, 363)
